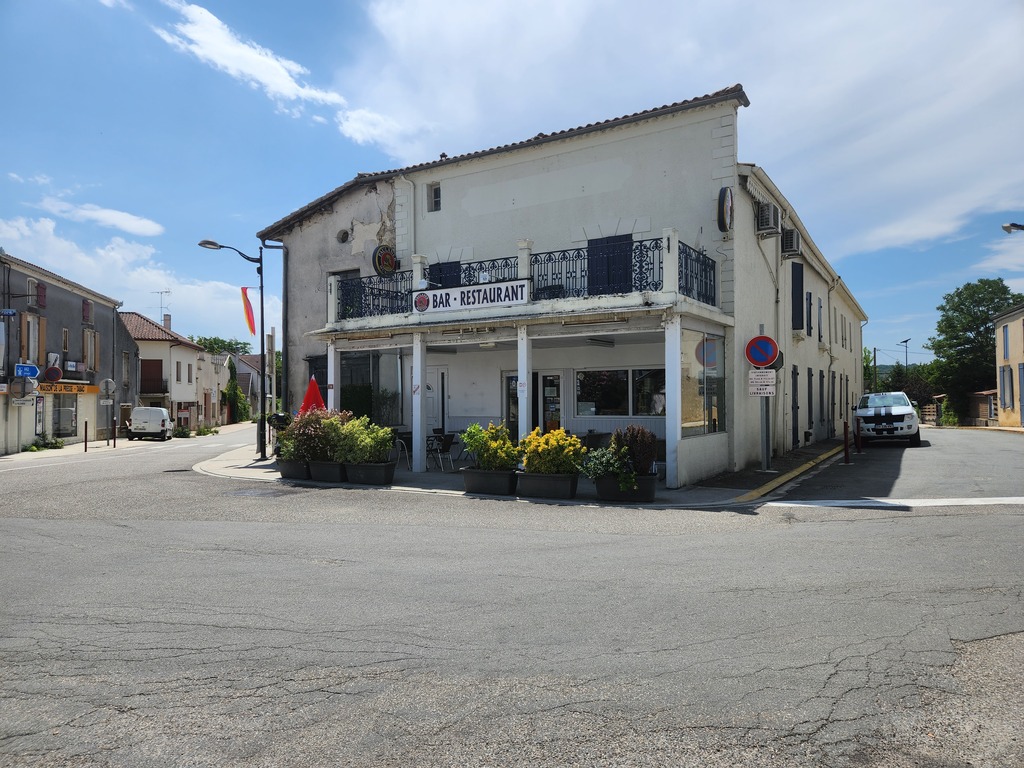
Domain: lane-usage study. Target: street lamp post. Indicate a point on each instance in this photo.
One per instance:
(906, 353)
(261, 437)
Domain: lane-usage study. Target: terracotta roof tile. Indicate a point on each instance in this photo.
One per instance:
(142, 328)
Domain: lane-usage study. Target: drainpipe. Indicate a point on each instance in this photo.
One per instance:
(285, 400)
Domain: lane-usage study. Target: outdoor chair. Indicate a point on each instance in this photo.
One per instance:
(440, 447)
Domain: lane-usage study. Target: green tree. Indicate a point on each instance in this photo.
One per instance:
(215, 345)
(965, 345)
(238, 405)
(869, 370)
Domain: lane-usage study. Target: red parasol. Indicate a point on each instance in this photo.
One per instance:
(312, 399)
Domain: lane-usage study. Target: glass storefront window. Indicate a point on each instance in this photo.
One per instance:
(648, 392)
(703, 383)
(64, 421)
(370, 384)
(602, 393)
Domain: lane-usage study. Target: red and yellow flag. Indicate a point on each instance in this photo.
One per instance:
(250, 319)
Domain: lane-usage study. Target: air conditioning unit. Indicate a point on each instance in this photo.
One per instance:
(791, 242)
(769, 220)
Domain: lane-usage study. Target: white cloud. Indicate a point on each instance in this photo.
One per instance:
(131, 273)
(212, 42)
(885, 107)
(39, 178)
(105, 217)
(1006, 255)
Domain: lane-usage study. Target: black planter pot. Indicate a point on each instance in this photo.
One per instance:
(493, 482)
(547, 486)
(371, 474)
(293, 470)
(327, 472)
(608, 489)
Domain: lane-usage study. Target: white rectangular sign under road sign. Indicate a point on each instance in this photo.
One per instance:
(23, 400)
(106, 402)
(761, 382)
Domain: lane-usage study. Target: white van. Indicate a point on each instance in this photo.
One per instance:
(150, 422)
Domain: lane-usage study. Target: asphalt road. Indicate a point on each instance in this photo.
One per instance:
(154, 616)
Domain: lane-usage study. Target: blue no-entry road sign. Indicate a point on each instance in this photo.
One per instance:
(762, 351)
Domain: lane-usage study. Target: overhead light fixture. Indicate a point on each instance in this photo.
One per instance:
(599, 342)
(487, 345)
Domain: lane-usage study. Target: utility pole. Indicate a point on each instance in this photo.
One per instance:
(874, 362)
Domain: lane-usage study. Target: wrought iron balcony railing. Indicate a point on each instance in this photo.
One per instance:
(575, 272)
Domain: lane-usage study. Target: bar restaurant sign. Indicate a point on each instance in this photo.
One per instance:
(471, 297)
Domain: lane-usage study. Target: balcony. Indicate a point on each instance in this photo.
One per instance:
(152, 386)
(612, 268)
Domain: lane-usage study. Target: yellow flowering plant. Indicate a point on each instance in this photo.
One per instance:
(492, 448)
(552, 453)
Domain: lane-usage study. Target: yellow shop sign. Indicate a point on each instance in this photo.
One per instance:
(63, 388)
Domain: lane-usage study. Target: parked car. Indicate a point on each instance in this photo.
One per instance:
(150, 422)
(887, 415)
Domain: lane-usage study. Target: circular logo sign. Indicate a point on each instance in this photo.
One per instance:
(53, 374)
(384, 261)
(421, 302)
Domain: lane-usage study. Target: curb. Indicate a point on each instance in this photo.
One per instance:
(782, 479)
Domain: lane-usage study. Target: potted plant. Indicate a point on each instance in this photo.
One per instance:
(495, 458)
(290, 462)
(365, 450)
(551, 463)
(321, 430)
(626, 469)
(310, 440)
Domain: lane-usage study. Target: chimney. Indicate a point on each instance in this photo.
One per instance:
(167, 321)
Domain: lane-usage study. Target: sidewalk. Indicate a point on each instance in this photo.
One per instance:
(728, 489)
(244, 463)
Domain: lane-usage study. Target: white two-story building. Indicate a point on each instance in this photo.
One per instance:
(592, 278)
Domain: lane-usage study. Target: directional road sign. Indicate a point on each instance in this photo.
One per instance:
(762, 351)
(8, 312)
(28, 371)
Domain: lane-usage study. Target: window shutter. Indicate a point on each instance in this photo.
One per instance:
(797, 296)
(40, 295)
(96, 351)
(85, 311)
(42, 339)
(23, 339)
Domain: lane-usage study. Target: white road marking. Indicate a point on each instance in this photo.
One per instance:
(876, 503)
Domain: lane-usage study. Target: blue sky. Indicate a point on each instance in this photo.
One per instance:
(132, 129)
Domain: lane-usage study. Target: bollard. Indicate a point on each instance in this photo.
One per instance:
(846, 442)
(86, 443)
